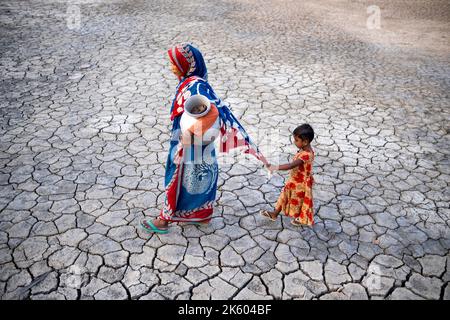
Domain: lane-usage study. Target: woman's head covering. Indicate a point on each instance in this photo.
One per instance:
(188, 60)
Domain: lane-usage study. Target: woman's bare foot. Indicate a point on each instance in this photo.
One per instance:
(160, 224)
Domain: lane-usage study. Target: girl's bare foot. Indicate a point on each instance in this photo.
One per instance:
(272, 215)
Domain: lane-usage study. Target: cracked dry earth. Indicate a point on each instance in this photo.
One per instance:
(84, 132)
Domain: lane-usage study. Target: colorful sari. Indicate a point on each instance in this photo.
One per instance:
(191, 182)
(296, 198)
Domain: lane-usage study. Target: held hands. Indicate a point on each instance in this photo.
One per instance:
(271, 168)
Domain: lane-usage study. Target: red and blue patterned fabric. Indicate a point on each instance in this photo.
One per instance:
(191, 183)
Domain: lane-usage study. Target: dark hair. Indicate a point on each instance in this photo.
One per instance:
(304, 132)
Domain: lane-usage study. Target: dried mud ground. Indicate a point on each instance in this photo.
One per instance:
(84, 129)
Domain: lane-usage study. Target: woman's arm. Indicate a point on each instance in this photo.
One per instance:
(287, 166)
(186, 138)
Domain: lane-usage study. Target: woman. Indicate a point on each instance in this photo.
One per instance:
(191, 180)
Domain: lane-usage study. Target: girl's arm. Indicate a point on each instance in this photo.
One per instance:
(287, 166)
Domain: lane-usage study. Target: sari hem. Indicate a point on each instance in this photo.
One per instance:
(196, 216)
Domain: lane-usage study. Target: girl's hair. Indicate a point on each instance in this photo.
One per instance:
(305, 132)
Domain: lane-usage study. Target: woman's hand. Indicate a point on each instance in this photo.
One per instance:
(186, 138)
(271, 168)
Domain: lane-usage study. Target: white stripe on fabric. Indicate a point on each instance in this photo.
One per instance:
(174, 57)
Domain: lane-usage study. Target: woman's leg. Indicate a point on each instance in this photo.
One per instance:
(155, 225)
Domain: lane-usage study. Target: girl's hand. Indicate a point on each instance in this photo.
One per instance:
(271, 168)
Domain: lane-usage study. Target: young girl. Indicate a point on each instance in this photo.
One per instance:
(296, 199)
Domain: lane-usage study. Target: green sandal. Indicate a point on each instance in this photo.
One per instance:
(195, 223)
(148, 226)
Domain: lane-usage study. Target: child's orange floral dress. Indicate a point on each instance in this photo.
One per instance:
(296, 199)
